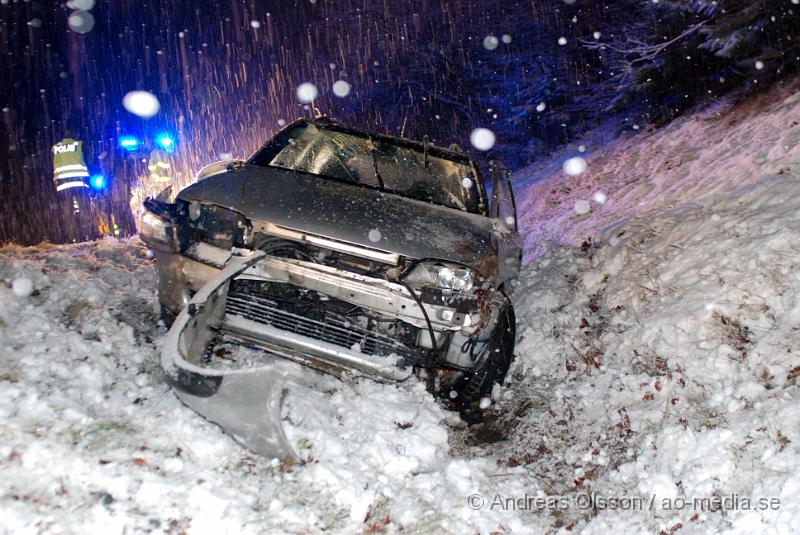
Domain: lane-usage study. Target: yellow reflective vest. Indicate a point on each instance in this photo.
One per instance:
(69, 167)
(159, 166)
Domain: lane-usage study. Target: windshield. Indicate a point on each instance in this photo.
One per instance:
(377, 163)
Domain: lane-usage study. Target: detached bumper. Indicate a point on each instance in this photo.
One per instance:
(246, 402)
(179, 278)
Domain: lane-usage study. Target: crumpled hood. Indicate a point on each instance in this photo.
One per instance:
(348, 213)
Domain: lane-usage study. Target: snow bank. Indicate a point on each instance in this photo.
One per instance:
(659, 363)
(93, 440)
(695, 158)
(663, 364)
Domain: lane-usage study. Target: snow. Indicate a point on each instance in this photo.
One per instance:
(22, 287)
(662, 356)
(141, 103)
(341, 88)
(482, 139)
(307, 92)
(80, 21)
(582, 207)
(94, 439)
(658, 365)
(575, 166)
(693, 159)
(83, 5)
(490, 42)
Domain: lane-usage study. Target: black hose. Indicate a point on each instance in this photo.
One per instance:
(283, 248)
(470, 345)
(424, 313)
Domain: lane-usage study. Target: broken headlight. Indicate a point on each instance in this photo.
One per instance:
(217, 226)
(155, 229)
(155, 226)
(442, 276)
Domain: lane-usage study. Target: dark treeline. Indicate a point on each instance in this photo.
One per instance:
(536, 72)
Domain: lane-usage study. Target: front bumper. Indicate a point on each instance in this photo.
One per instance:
(246, 402)
(335, 348)
(180, 277)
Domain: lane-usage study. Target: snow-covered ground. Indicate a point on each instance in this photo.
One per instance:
(718, 149)
(93, 440)
(657, 363)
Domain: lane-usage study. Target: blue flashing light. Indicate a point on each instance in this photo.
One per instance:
(166, 141)
(97, 182)
(129, 143)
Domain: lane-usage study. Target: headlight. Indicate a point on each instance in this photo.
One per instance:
(443, 276)
(155, 231)
(453, 279)
(217, 226)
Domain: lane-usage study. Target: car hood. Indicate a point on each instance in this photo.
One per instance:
(351, 213)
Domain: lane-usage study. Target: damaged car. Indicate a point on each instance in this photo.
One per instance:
(353, 253)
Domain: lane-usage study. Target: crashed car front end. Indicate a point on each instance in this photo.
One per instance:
(301, 295)
(347, 280)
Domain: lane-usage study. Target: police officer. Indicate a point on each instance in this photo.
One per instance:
(119, 193)
(70, 173)
(160, 167)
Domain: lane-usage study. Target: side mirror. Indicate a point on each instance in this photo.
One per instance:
(233, 165)
(216, 168)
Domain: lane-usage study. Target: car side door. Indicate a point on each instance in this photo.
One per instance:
(503, 211)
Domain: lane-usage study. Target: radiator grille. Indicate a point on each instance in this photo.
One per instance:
(335, 330)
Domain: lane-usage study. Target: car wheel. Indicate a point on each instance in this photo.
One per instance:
(468, 388)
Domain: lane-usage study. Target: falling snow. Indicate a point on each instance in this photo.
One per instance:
(80, 21)
(575, 166)
(22, 287)
(341, 88)
(482, 139)
(657, 319)
(307, 92)
(141, 103)
(582, 207)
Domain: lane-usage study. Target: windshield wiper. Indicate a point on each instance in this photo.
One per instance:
(375, 164)
(335, 146)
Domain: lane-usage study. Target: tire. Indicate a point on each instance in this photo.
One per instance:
(468, 388)
(167, 316)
